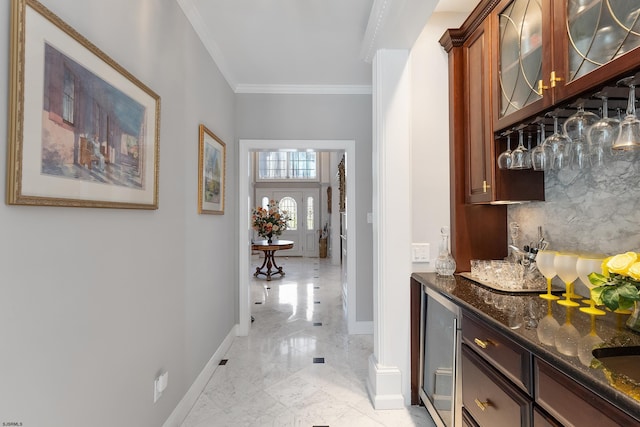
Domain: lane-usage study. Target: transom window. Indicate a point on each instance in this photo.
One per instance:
(285, 165)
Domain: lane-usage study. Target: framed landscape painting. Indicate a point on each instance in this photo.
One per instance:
(211, 173)
(82, 130)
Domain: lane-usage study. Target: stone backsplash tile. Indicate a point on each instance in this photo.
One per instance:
(594, 210)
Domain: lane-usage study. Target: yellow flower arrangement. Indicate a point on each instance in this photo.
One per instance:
(619, 284)
(269, 221)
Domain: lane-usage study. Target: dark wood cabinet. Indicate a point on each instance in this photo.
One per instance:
(522, 44)
(489, 397)
(593, 44)
(548, 52)
(503, 354)
(541, 419)
(482, 105)
(479, 135)
(573, 404)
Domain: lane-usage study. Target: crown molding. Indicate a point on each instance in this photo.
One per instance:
(304, 89)
(198, 23)
(377, 20)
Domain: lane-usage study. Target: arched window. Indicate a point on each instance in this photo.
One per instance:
(289, 204)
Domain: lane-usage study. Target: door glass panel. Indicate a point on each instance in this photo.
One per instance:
(600, 31)
(310, 224)
(520, 66)
(289, 204)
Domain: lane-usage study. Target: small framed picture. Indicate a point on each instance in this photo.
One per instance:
(82, 130)
(211, 173)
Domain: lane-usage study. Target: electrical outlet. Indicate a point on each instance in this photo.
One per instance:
(420, 252)
(159, 385)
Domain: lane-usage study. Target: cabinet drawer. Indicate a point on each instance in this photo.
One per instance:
(505, 355)
(571, 403)
(489, 397)
(540, 419)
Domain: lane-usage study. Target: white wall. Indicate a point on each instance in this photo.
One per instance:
(430, 134)
(323, 117)
(96, 302)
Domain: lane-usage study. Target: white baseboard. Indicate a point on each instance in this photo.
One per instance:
(384, 386)
(189, 399)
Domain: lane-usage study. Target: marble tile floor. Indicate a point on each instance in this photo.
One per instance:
(298, 366)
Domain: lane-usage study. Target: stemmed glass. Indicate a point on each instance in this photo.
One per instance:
(588, 343)
(546, 266)
(504, 159)
(576, 127)
(629, 136)
(555, 146)
(519, 155)
(567, 336)
(539, 154)
(566, 269)
(602, 134)
(547, 327)
(527, 154)
(585, 266)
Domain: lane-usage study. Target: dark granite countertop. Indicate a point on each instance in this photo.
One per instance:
(518, 316)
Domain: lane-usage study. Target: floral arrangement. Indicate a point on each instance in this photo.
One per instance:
(619, 284)
(269, 222)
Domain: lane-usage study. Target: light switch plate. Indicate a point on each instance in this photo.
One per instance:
(420, 252)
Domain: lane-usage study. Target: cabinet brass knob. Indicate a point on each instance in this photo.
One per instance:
(553, 79)
(483, 405)
(485, 186)
(480, 343)
(541, 87)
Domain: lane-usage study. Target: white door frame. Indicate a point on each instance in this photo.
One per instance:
(246, 146)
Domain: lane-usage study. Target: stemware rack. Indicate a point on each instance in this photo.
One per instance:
(617, 96)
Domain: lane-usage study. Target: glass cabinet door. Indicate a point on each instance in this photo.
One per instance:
(600, 31)
(591, 42)
(521, 59)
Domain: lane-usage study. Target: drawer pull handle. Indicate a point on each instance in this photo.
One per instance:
(481, 344)
(483, 405)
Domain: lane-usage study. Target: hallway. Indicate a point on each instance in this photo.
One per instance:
(298, 366)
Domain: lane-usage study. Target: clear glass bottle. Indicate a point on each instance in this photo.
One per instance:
(445, 264)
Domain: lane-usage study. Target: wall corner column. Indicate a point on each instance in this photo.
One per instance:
(389, 366)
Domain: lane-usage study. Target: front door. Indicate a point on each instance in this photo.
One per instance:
(302, 206)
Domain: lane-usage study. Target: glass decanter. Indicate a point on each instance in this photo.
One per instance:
(445, 264)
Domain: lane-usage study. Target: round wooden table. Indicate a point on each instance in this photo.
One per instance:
(269, 250)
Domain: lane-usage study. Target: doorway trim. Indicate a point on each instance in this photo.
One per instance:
(246, 146)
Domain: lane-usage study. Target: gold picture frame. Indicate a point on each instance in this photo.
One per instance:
(83, 131)
(212, 169)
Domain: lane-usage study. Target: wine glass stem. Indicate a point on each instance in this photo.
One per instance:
(631, 106)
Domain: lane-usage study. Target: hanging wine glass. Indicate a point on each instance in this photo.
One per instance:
(539, 154)
(629, 135)
(602, 135)
(576, 127)
(555, 146)
(527, 154)
(518, 156)
(504, 159)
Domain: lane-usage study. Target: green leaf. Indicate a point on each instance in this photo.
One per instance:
(596, 294)
(625, 303)
(610, 297)
(629, 291)
(597, 279)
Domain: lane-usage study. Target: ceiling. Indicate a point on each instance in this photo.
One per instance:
(307, 46)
